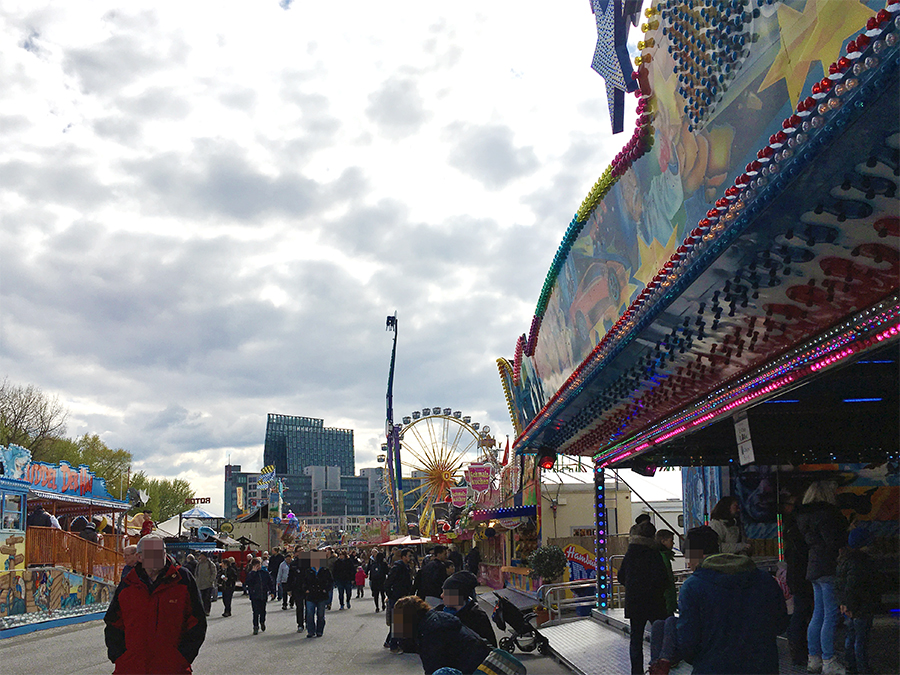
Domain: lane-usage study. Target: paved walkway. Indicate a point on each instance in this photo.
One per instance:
(351, 645)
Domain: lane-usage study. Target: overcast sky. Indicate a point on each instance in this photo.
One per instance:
(208, 209)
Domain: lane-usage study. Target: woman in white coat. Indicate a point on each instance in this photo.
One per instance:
(724, 519)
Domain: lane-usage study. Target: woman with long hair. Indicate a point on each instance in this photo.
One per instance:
(725, 520)
(824, 529)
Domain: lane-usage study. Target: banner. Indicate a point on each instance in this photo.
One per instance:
(240, 499)
(479, 476)
(458, 496)
(266, 475)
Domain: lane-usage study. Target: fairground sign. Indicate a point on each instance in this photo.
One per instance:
(197, 500)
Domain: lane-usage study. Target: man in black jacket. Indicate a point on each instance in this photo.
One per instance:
(344, 572)
(398, 585)
(433, 576)
(459, 599)
(295, 585)
(316, 585)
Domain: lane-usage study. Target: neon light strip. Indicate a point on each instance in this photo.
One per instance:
(811, 361)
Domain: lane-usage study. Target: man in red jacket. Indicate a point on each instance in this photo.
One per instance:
(155, 622)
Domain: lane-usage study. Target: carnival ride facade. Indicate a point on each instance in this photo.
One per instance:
(743, 243)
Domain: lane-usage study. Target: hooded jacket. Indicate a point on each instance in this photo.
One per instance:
(155, 627)
(857, 582)
(399, 581)
(443, 641)
(259, 584)
(316, 583)
(730, 614)
(643, 574)
(825, 530)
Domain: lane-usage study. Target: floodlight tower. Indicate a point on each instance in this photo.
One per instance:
(392, 432)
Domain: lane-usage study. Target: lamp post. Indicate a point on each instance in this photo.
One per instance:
(392, 432)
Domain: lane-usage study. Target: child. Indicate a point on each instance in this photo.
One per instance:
(260, 586)
(666, 541)
(857, 594)
(360, 582)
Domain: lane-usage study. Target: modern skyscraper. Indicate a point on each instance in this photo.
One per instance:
(293, 443)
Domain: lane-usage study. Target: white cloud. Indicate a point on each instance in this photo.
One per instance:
(208, 214)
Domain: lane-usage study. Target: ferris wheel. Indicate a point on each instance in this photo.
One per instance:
(437, 445)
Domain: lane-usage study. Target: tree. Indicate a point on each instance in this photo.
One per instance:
(30, 418)
(166, 496)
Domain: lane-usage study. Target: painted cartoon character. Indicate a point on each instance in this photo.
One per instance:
(40, 589)
(15, 460)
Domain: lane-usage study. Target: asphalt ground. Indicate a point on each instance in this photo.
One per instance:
(352, 644)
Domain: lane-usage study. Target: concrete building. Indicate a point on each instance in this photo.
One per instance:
(567, 509)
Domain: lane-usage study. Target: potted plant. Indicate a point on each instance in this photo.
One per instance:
(547, 563)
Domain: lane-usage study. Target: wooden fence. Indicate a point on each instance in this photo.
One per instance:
(47, 546)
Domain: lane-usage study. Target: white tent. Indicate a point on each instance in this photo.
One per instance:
(172, 524)
(407, 541)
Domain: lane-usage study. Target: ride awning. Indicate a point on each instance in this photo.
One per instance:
(70, 505)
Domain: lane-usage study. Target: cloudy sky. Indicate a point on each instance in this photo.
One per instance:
(208, 209)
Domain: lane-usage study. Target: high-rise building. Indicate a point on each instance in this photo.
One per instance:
(243, 495)
(293, 443)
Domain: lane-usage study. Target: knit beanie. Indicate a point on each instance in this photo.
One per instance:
(464, 582)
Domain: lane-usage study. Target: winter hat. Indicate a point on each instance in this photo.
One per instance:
(464, 581)
(859, 537)
(499, 662)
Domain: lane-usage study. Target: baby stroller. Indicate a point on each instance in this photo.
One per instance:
(524, 636)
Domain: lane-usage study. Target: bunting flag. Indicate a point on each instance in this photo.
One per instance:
(506, 453)
(266, 475)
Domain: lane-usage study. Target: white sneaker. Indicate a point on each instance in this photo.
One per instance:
(814, 665)
(833, 667)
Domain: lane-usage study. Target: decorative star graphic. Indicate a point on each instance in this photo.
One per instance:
(815, 34)
(611, 57)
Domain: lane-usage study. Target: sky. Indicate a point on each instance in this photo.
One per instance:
(208, 210)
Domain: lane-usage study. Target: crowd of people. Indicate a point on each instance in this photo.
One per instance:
(430, 606)
(730, 612)
(725, 619)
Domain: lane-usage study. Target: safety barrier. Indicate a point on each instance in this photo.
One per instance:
(48, 546)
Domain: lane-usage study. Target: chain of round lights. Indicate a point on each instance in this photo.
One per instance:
(600, 539)
(834, 347)
(506, 375)
(802, 133)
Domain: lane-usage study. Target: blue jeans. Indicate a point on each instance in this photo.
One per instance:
(664, 640)
(344, 588)
(820, 634)
(315, 617)
(857, 642)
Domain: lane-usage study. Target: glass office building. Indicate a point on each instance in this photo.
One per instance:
(293, 443)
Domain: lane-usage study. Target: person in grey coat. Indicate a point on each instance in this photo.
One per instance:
(206, 580)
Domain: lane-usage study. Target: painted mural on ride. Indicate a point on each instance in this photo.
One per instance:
(724, 97)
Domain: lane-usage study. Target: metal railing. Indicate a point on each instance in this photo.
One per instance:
(553, 596)
(47, 546)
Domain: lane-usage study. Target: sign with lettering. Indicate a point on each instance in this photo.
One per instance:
(197, 500)
(458, 496)
(479, 476)
(62, 478)
(582, 563)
